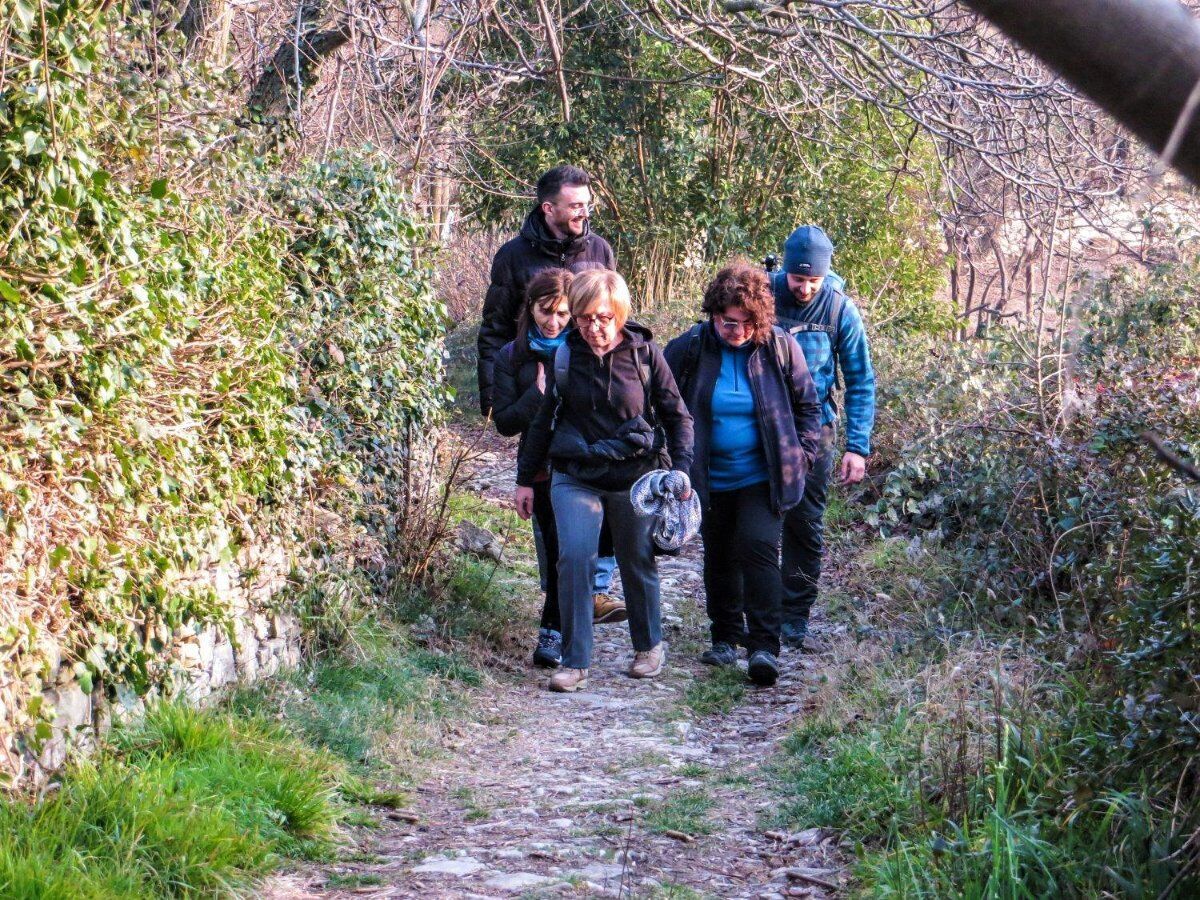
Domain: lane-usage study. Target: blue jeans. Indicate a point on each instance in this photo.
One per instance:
(804, 537)
(579, 512)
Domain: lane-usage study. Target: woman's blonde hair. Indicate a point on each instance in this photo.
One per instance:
(589, 288)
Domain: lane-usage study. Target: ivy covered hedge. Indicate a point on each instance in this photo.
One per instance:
(198, 349)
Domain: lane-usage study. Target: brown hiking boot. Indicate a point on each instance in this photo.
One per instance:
(606, 609)
(648, 663)
(567, 681)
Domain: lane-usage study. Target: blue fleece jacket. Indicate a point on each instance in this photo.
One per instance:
(854, 355)
(736, 458)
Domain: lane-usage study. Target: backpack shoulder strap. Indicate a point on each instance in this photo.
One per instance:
(691, 355)
(835, 334)
(643, 368)
(562, 368)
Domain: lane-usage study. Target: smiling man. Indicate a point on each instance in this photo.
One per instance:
(557, 232)
(811, 305)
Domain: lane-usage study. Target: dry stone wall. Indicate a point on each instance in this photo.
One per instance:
(40, 730)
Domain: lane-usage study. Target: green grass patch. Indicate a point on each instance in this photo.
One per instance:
(352, 880)
(716, 693)
(684, 811)
(201, 803)
(187, 803)
(859, 783)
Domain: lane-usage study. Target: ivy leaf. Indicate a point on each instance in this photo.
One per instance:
(8, 292)
(34, 143)
(26, 13)
(158, 188)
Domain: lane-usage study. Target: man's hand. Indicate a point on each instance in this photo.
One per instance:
(854, 469)
(541, 378)
(524, 498)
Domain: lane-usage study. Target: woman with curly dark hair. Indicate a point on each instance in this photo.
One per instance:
(757, 427)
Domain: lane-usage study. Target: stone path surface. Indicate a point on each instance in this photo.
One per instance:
(587, 795)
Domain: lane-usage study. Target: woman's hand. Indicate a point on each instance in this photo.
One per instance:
(541, 378)
(524, 498)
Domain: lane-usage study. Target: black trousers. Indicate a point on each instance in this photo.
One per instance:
(741, 534)
(804, 537)
(543, 514)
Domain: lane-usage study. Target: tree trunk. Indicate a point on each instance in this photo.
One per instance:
(296, 62)
(1138, 59)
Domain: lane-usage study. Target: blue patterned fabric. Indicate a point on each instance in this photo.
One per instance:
(657, 494)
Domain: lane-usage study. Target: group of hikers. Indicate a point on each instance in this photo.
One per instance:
(732, 426)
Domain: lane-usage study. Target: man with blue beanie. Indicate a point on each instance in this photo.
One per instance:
(811, 305)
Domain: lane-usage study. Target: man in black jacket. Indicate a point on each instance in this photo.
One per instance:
(555, 233)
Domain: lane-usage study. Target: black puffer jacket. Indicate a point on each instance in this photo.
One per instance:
(600, 431)
(516, 398)
(785, 403)
(531, 251)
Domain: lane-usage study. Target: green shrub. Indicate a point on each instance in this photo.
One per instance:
(201, 352)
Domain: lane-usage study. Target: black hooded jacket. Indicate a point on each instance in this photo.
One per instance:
(515, 264)
(599, 430)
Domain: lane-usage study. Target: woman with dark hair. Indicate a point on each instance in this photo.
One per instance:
(519, 383)
(757, 427)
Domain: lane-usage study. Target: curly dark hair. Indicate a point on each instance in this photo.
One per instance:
(547, 286)
(741, 284)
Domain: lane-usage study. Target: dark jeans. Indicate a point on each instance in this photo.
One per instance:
(543, 515)
(804, 537)
(580, 510)
(741, 566)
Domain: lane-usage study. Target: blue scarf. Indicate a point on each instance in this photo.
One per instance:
(544, 346)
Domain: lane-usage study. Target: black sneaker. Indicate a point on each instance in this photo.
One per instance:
(763, 668)
(721, 654)
(548, 654)
(792, 634)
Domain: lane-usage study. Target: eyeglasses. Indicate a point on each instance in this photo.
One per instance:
(732, 325)
(592, 321)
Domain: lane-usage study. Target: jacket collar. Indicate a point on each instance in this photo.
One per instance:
(534, 230)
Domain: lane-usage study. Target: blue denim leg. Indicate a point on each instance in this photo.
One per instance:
(578, 512)
(602, 577)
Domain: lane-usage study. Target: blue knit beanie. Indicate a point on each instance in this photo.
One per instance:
(807, 251)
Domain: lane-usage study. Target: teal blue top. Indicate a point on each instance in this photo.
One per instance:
(736, 457)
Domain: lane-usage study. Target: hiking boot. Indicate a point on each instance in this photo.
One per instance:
(549, 649)
(567, 681)
(607, 609)
(792, 634)
(763, 668)
(648, 663)
(721, 654)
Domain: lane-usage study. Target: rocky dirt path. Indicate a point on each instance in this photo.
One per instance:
(619, 791)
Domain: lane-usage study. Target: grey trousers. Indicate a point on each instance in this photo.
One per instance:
(578, 512)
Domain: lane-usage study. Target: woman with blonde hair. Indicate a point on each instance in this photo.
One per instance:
(611, 414)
